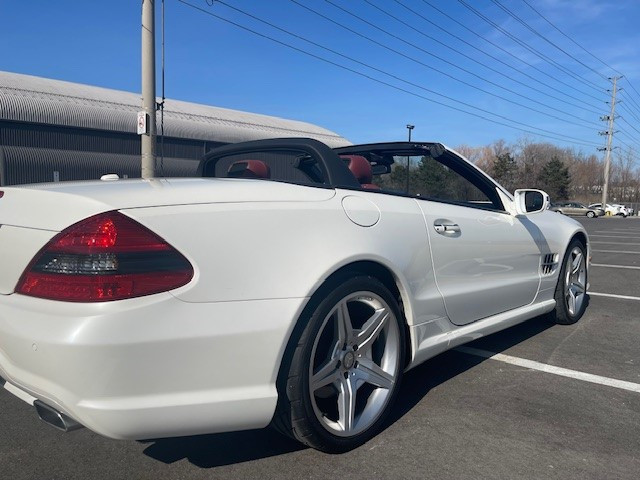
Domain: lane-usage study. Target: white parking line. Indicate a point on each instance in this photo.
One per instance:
(543, 367)
(616, 243)
(614, 236)
(623, 297)
(613, 266)
(615, 251)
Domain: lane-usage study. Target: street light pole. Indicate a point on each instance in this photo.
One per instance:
(409, 127)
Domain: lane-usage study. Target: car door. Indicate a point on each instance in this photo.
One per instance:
(569, 209)
(576, 209)
(486, 261)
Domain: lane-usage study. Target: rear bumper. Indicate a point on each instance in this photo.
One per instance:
(148, 367)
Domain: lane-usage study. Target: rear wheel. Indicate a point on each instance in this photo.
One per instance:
(571, 290)
(344, 374)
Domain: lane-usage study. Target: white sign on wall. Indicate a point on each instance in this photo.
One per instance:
(142, 123)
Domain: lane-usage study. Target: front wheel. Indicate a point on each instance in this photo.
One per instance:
(571, 290)
(345, 371)
(591, 214)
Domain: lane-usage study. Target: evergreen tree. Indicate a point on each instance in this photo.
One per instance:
(505, 171)
(555, 180)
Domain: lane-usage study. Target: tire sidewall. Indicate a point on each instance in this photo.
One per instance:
(330, 442)
(562, 314)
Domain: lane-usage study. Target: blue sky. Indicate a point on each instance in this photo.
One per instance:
(213, 62)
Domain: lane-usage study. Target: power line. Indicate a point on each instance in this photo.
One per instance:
(467, 57)
(631, 101)
(531, 49)
(505, 51)
(453, 77)
(584, 49)
(580, 46)
(630, 136)
(535, 32)
(625, 121)
(374, 68)
(631, 85)
(567, 36)
(548, 134)
(629, 110)
(625, 144)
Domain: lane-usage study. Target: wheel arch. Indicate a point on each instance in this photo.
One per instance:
(390, 280)
(360, 267)
(579, 236)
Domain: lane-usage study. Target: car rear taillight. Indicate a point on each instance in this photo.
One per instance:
(105, 257)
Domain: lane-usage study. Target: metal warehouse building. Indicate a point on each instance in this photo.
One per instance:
(54, 131)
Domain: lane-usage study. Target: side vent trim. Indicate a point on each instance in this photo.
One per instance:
(549, 262)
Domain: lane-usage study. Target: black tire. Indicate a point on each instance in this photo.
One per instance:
(591, 214)
(306, 410)
(571, 282)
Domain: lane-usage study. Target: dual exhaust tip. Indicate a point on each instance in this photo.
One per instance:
(55, 418)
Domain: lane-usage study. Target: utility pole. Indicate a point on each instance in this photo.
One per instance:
(409, 127)
(147, 117)
(609, 134)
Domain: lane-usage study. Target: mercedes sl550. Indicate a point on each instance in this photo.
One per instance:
(288, 284)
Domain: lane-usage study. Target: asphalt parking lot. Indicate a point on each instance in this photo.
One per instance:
(560, 402)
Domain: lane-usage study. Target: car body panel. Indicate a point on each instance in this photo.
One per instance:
(151, 366)
(18, 246)
(494, 251)
(205, 357)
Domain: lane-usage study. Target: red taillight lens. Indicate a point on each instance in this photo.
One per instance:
(105, 257)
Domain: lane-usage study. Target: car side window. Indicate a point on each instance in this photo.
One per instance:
(443, 179)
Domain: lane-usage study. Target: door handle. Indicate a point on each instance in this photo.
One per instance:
(448, 229)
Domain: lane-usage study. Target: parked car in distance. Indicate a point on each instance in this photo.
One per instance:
(624, 211)
(612, 209)
(287, 285)
(577, 209)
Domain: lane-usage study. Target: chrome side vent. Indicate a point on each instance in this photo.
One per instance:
(549, 263)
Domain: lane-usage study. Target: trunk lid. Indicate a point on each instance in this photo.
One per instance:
(31, 215)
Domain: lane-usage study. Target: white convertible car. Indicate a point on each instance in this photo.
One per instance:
(289, 284)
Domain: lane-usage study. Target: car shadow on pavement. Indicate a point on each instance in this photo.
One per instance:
(420, 380)
(215, 450)
(208, 451)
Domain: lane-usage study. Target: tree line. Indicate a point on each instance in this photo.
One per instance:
(564, 173)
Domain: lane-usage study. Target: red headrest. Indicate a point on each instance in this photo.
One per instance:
(360, 167)
(249, 169)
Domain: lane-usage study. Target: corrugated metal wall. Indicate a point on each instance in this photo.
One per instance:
(31, 153)
(35, 165)
(82, 132)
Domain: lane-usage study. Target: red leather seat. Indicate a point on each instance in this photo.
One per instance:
(361, 169)
(249, 169)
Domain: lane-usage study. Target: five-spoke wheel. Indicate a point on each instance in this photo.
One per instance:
(354, 363)
(571, 291)
(575, 282)
(344, 373)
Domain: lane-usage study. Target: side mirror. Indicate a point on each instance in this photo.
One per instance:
(530, 201)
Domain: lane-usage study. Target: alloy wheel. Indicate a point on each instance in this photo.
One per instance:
(575, 281)
(354, 364)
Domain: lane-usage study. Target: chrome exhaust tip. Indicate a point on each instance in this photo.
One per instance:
(55, 418)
